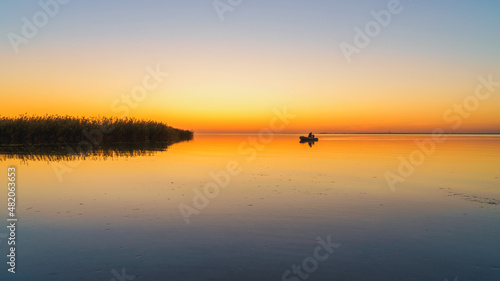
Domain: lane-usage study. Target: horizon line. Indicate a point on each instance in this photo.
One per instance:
(324, 133)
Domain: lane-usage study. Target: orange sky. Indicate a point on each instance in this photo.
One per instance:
(363, 98)
(229, 76)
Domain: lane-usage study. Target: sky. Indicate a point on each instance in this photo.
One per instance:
(229, 70)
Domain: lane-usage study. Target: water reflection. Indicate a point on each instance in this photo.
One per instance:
(311, 143)
(109, 215)
(72, 152)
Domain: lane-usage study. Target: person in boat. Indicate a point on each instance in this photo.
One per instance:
(311, 135)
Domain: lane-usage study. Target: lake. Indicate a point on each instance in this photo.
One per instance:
(264, 209)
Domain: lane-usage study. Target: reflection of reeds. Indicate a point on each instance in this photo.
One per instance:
(69, 152)
(55, 138)
(55, 129)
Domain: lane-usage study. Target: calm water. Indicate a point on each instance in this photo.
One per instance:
(121, 214)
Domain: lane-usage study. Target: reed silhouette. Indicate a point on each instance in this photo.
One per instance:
(55, 129)
(55, 138)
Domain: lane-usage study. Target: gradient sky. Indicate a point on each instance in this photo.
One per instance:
(227, 76)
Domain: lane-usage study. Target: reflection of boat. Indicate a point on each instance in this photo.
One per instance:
(308, 139)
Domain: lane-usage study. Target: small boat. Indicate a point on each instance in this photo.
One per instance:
(308, 139)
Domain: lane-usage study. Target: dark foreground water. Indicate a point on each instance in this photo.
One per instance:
(263, 210)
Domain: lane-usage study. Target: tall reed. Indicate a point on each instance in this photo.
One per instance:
(56, 129)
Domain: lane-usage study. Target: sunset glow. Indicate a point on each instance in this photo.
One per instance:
(229, 76)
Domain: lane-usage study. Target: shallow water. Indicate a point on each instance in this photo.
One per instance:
(110, 216)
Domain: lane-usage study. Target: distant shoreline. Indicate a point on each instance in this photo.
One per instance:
(303, 133)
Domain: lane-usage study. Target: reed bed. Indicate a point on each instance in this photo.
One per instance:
(56, 129)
